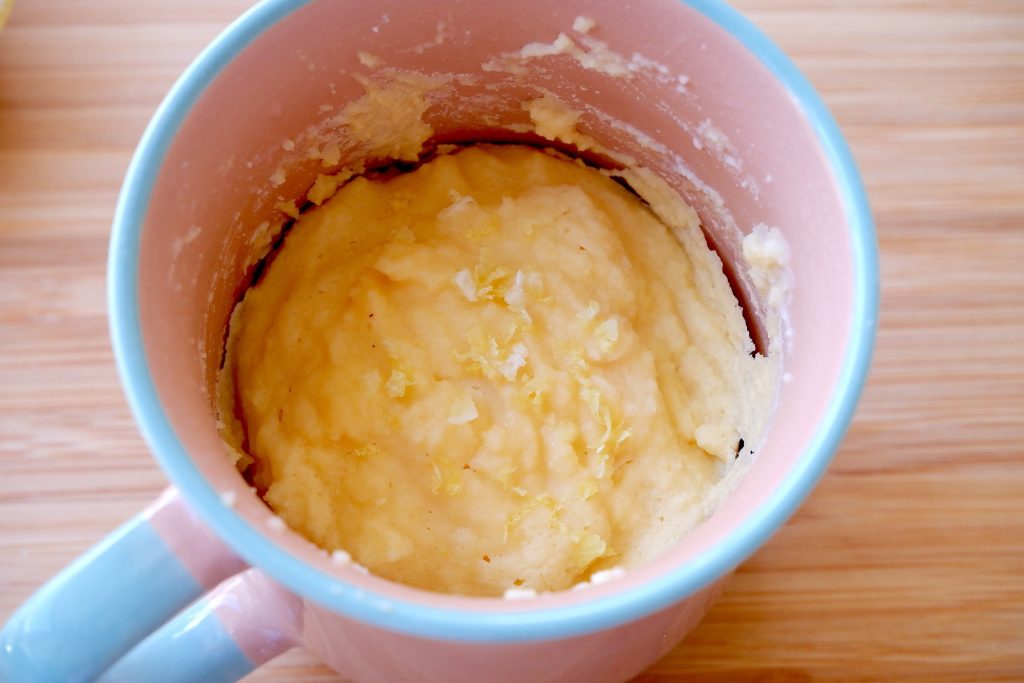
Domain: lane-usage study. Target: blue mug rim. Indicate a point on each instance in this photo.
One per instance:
(450, 623)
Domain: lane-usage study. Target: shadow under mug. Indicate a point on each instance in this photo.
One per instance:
(249, 588)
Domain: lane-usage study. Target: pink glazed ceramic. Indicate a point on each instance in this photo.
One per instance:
(196, 192)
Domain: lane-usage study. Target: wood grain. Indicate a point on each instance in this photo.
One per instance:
(907, 563)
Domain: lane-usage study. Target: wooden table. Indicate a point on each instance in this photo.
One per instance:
(907, 562)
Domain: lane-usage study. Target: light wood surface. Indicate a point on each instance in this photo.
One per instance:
(907, 562)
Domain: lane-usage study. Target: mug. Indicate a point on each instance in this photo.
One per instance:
(207, 583)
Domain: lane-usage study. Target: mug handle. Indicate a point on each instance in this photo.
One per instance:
(244, 622)
(98, 608)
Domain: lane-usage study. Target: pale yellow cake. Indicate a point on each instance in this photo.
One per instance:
(498, 370)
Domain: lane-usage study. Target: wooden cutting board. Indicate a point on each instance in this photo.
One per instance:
(907, 562)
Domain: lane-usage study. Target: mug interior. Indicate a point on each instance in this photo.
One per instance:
(201, 185)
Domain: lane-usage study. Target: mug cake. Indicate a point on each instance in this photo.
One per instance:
(491, 369)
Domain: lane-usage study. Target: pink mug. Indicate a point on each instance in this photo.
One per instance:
(198, 187)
